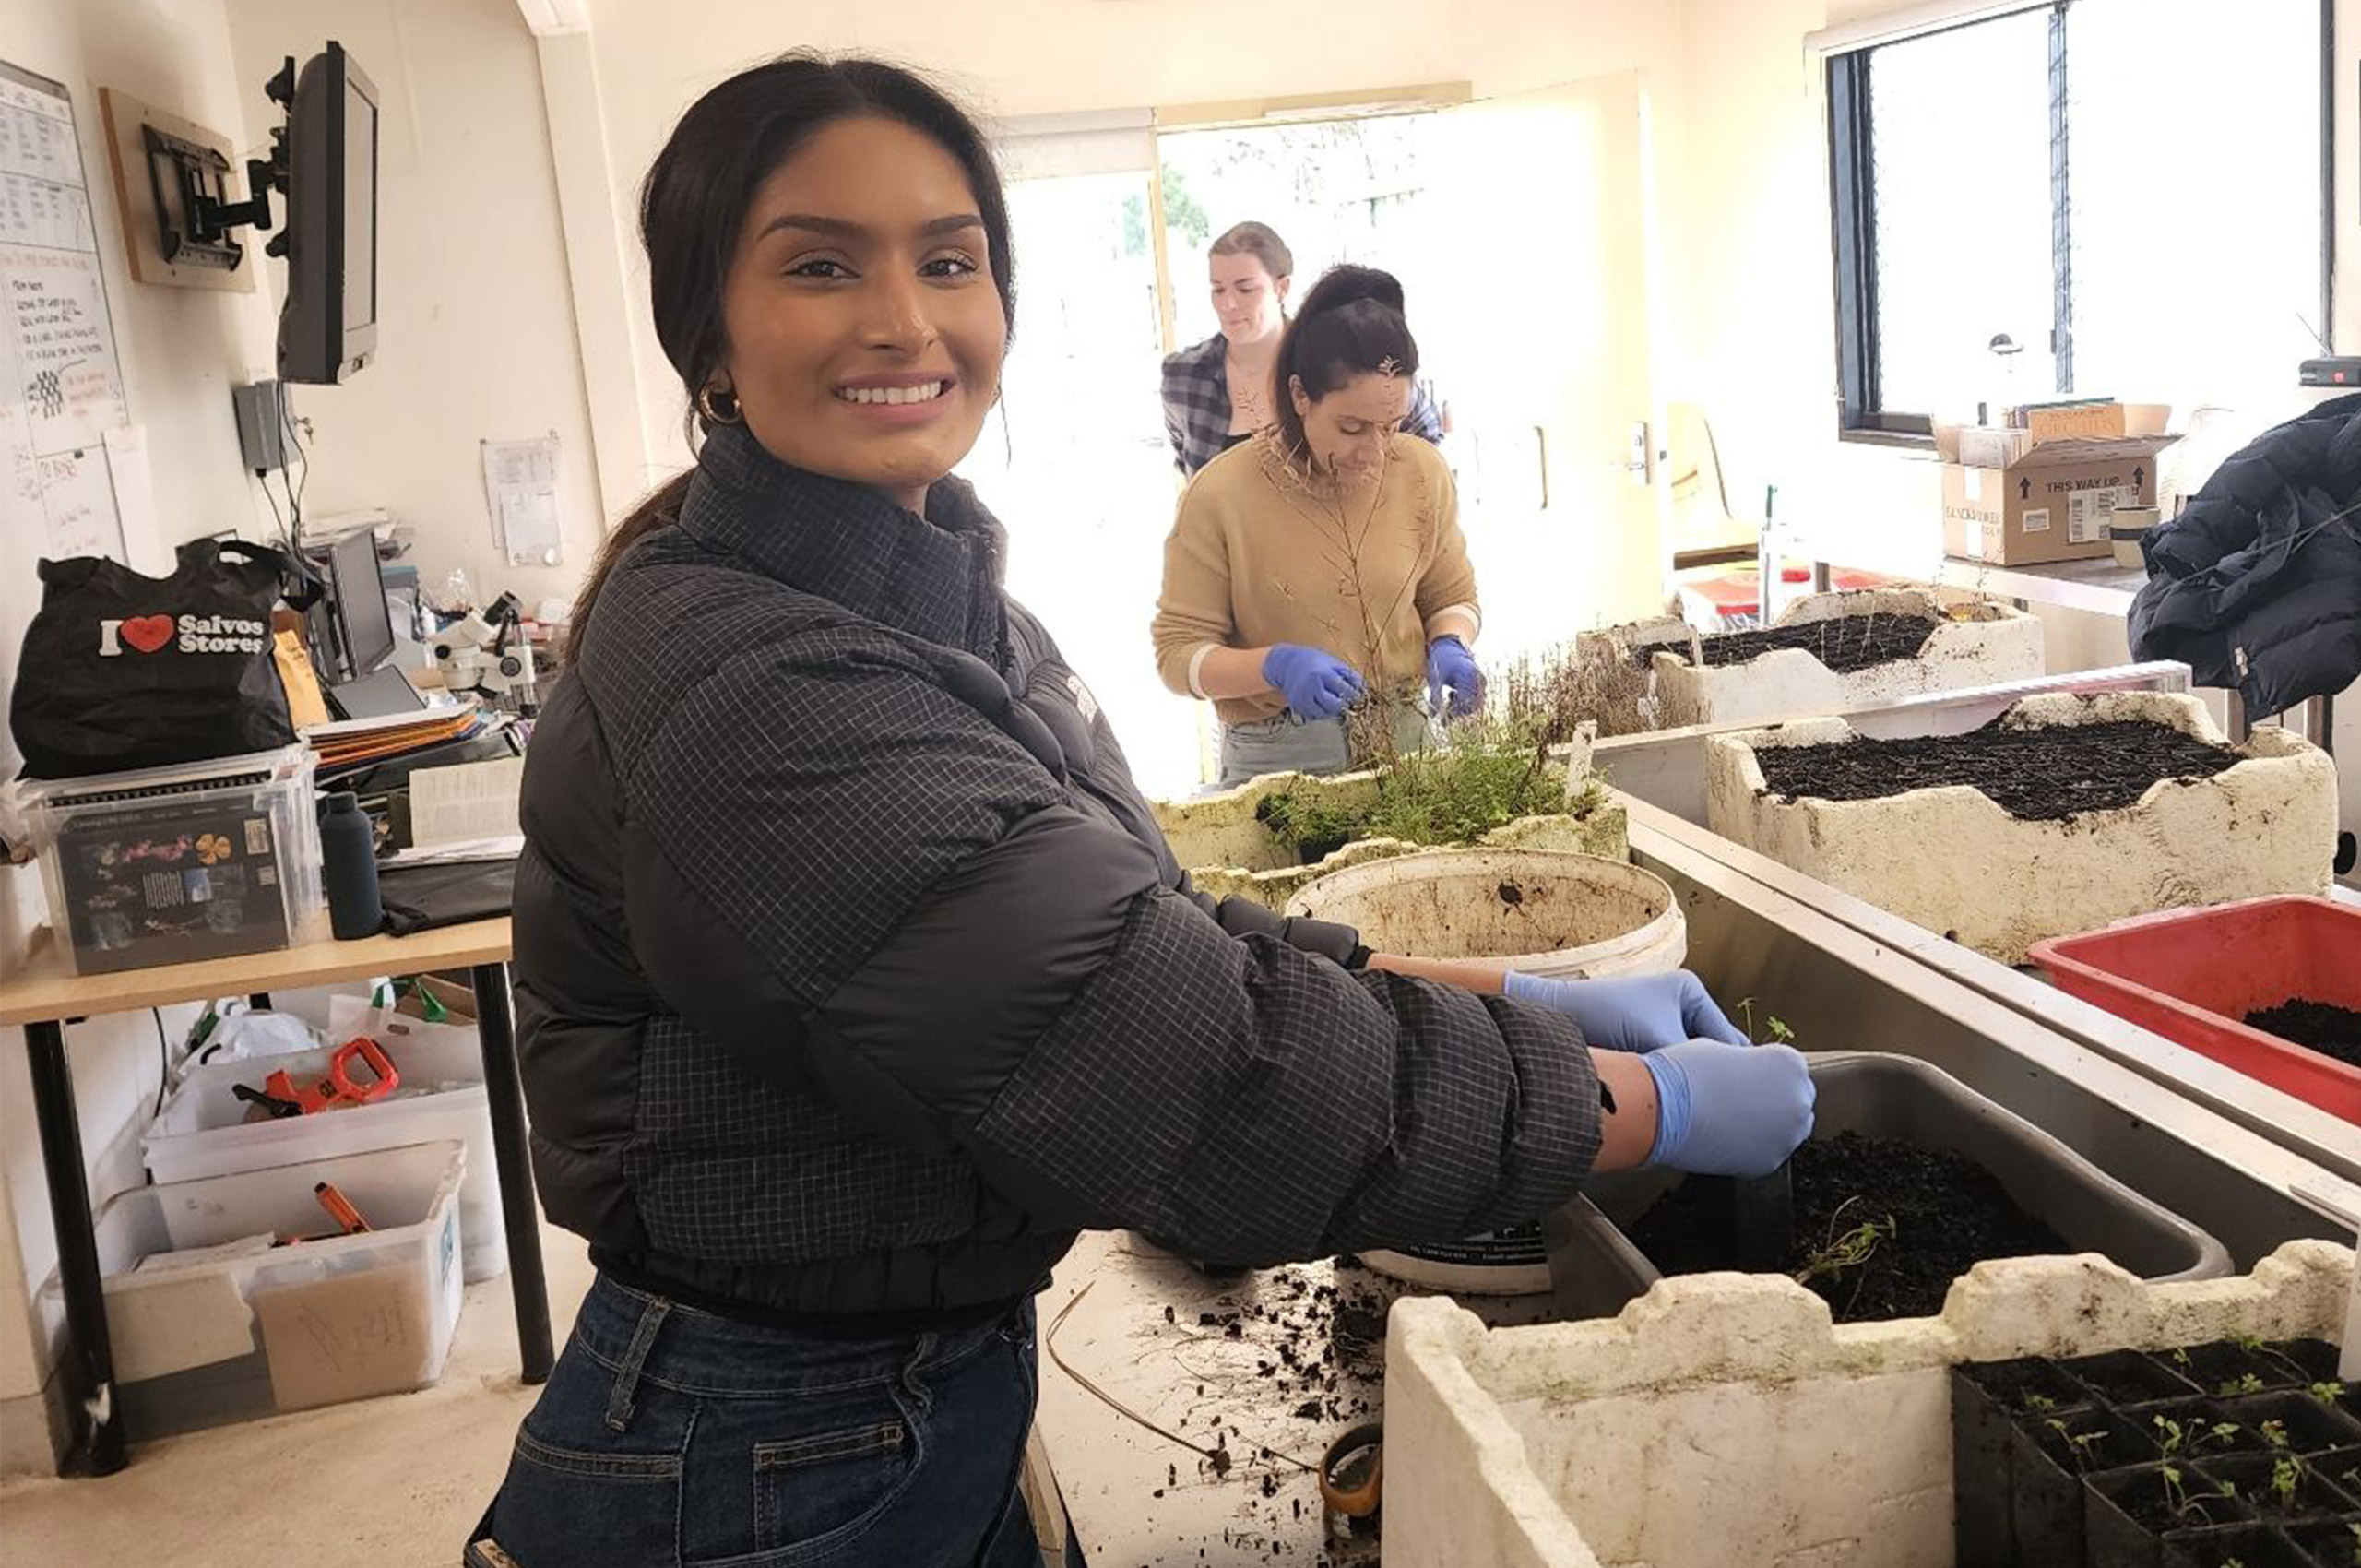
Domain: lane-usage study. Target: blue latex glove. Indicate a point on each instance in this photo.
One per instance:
(1449, 666)
(1316, 683)
(1728, 1110)
(1636, 1013)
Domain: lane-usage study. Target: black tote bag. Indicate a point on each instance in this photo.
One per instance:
(121, 671)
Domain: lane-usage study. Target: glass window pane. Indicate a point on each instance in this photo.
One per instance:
(1959, 143)
(2196, 196)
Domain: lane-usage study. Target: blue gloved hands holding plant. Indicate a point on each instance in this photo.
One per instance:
(1450, 666)
(1634, 1012)
(1316, 683)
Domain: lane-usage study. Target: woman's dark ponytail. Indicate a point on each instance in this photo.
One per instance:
(1351, 324)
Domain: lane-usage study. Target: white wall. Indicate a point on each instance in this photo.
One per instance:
(181, 351)
(476, 325)
(1083, 54)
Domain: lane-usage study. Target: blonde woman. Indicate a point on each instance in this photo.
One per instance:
(1321, 560)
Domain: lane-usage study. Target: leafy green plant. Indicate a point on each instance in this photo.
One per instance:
(2184, 1505)
(2286, 1475)
(2040, 1402)
(1849, 1251)
(1778, 1031)
(2175, 1439)
(2082, 1445)
(2330, 1394)
(2246, 1383)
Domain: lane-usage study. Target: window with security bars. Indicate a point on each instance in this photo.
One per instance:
(2095, 198)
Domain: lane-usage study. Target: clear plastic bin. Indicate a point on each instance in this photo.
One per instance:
(170, 865)
(203, 1129)
(211, 1322)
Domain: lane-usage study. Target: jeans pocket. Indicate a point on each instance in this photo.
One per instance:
(816, 1493)
(585, 1506)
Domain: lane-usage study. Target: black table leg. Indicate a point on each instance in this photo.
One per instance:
(94, 1430)
(520, 1215)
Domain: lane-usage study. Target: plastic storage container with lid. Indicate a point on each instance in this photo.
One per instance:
(170, 865)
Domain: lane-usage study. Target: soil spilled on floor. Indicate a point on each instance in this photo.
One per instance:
(2042, 773)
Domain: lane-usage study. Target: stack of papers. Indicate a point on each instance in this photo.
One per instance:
(351, 740)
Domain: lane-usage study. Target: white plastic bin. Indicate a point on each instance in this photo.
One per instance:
(210, 1323)
(203, 1129)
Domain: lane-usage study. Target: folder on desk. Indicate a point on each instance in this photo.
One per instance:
(367, 740)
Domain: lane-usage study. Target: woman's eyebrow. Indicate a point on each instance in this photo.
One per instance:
(845, 228)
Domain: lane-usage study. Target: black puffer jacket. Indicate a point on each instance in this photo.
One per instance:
(2257, 584)
(854, 975)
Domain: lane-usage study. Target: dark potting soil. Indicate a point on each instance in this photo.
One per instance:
(1945, 1211)
(2326, 1028)
(1849, 642)
(2047, 772)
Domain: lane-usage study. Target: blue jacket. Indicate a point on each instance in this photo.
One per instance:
(2257, 585)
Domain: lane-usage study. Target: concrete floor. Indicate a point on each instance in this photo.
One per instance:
(393, 1482)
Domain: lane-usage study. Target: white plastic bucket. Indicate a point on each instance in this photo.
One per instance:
(1541, 911)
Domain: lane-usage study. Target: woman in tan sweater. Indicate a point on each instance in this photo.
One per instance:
(1316, 578)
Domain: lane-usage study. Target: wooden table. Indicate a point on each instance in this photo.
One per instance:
(45, 998)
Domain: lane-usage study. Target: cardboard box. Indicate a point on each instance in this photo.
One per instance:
(2094, 422)
(2012, 500)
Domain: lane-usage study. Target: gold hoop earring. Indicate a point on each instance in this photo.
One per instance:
(719, 406)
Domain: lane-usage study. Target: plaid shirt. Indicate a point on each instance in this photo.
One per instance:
(1197, 412)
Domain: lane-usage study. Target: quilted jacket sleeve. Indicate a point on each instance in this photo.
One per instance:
(854, 868)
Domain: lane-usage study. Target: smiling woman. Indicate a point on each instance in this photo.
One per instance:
(853, 976)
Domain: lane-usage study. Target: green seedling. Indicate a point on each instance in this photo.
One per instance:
(2356, 1543)
(2038, 1402)
(2176, 1438)
(2273, 1434)
(2246, 1383)
(2250, 1343)
(2328, 1393)
(2182, 1504)
(2082, 1444)
(1851, 1250)
(2286, 1475)
(2180, 1358)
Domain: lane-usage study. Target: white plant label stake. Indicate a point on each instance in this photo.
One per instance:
(2340, 1201)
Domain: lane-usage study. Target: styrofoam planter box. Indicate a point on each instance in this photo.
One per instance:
(201, 1130)
(209, 1323)
(1976, 642)
(1952, 861)
(1722, 1420)
(1228, 852)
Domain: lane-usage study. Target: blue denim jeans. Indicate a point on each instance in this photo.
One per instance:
(672, 1438)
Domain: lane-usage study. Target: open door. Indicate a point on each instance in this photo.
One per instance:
(1543, 350)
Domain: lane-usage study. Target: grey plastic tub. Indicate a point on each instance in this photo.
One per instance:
(1594, 1270)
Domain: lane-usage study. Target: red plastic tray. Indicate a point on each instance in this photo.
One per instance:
(2191, 975)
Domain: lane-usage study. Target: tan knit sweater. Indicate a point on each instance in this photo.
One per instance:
(1259, 555)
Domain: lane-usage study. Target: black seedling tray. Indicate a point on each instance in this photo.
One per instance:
(2061, 1464)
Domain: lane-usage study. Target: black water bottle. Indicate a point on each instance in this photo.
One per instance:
(349, 861)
